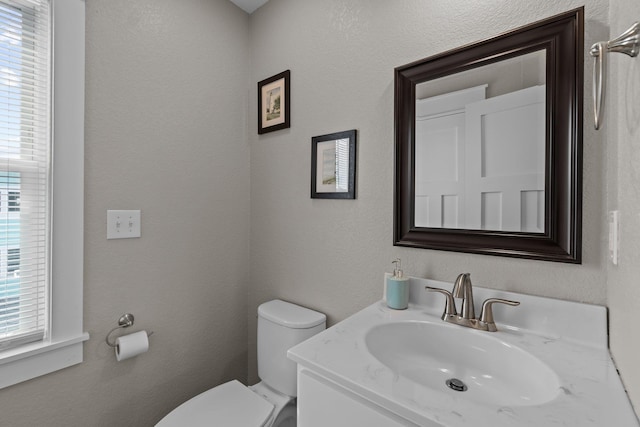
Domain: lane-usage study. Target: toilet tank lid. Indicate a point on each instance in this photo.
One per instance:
(290, 315)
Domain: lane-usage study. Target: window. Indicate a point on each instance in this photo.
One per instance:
(24, 169)
(14, 201)
(41, 193)
(13, 262)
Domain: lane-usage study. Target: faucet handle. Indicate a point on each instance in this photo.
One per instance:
(486, 315)
(450, 304)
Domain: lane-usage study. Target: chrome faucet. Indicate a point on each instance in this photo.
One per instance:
(463, 289)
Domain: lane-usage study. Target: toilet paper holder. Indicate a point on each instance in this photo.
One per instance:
(125, 321)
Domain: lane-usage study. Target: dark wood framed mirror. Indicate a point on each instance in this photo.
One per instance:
(489, 160)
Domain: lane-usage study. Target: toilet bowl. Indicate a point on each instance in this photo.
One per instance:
(271, 402)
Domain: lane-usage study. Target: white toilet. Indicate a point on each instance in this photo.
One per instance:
(271, 402)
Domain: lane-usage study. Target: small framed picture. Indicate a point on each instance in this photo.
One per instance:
(333, 166)
(274, 96)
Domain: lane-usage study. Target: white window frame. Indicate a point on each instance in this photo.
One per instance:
(63, 347)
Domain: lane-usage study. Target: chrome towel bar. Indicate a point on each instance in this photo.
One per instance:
(627, 43)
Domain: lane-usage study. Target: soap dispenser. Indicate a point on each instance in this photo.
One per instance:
(397, 288)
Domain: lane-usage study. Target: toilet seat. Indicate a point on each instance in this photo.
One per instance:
(229, 404)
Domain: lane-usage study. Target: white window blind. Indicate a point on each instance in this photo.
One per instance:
(24, 169)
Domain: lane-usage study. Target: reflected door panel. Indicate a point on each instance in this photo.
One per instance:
(505, 162)
(440, 158)
(440, 183)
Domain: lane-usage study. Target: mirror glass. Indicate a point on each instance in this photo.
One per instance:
(480, 147)
(488, 145)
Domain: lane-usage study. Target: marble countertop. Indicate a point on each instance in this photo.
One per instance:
(568, 337)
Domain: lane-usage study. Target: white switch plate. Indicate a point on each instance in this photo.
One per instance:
(123, 224)
(614, 236)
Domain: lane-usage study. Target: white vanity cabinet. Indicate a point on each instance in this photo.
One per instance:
(322, 403)
(388, 368)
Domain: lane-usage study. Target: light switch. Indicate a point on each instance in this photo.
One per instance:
(614, 236)
(123, 224)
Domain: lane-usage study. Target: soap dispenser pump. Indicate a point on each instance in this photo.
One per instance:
(397, 288)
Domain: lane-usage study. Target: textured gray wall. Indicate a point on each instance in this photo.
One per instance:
(622, 126)
(166, 99)
(331, 255)
(171, 125)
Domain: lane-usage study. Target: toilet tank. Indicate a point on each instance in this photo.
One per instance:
(281, 325)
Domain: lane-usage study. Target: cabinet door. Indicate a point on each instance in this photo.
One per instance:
(322, 403)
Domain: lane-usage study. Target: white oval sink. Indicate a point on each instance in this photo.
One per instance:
(494, 371)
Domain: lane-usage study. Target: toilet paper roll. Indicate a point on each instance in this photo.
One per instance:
(131, 345)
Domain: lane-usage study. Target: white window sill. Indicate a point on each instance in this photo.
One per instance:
(33, 360)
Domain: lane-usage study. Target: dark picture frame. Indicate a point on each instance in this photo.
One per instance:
(274, 103)
(333, 165)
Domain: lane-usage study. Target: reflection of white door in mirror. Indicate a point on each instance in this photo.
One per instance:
(506, 162)
(480, 162)
(440, 158)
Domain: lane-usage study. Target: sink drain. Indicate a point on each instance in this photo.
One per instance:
(456, 384)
